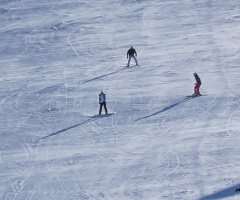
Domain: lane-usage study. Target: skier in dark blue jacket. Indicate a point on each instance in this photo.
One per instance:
(102, 102)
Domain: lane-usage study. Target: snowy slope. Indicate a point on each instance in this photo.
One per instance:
(55, 58)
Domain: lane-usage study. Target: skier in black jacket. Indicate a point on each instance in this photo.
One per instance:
(130, 54)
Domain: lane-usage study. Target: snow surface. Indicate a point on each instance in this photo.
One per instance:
(55, 58)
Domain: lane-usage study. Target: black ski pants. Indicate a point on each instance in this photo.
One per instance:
(105, 107)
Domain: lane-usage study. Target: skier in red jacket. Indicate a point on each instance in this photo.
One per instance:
(197, 85)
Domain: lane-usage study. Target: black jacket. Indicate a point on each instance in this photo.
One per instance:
(198, 80)
(131, 52)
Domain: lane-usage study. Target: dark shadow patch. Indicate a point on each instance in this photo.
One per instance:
(71, 127)
(105, 75)
(228, 192)
(93, 118)
(167, 108)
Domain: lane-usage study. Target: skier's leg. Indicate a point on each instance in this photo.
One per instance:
(129, 59)
(100, 109)
(135, 60)
(197, 88)
(105, 107)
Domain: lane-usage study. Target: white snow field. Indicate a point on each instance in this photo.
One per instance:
(55, 58)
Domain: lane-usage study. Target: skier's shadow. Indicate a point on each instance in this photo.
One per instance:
(105, 75)
(225, 193)
(167, 108)
(71, 127)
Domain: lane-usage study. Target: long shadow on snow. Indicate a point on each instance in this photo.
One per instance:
(231, 191)
(109, 74)
(94, 118)
(167, 108)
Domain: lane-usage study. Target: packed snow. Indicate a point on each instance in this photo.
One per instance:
(57, 56)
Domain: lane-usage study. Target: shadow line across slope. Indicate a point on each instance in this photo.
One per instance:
(231, 191)
(167, 108)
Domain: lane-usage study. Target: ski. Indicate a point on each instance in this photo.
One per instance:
(103, 115)
(132, 66)
(196, 95)
(106, 114)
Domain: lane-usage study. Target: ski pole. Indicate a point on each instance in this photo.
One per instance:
(203, 91)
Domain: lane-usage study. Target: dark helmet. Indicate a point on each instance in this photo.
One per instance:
(195, 74)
